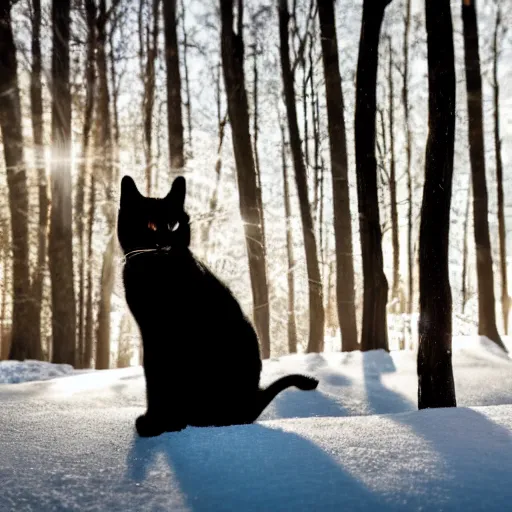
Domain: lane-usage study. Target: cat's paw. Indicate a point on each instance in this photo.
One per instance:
(151, 426)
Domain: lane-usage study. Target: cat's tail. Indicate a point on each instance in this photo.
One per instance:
(268, 394)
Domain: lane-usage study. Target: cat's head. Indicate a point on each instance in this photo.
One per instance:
(151, 223)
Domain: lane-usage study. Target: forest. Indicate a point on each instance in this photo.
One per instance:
(345, 166)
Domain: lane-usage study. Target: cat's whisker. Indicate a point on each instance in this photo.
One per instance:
(137, 252)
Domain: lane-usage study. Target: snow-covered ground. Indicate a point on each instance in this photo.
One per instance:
(357, 443)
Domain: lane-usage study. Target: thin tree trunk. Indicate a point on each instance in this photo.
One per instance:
(188, 104)
(61, 224)
(213, 202)
(89, 304)
(22, 336)
(486, 301)
(316, 306)
(374, 329)
(305, 78)
(256, 132)
(174, 116)
(149, 95)
(464, 290)
(340, 185)
(124, 351)
(232, 49)
(36, 105)
(502, 231)
(395, 235)
(316, 147)
(90, 89)
(292, 324)
(105, 167)
(5, 344)
(408, 151)
(435, 375)
(22, 342)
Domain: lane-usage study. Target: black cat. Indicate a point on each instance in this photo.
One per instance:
(201, 355)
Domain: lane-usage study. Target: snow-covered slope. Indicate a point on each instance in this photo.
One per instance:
(355, 444)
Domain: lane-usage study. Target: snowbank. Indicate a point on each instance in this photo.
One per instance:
(12, 372)
(356, 444)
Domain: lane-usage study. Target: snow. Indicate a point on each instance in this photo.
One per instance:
(358, 443)
(12, 372)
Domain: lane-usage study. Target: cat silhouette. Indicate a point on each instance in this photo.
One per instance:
(201, 355)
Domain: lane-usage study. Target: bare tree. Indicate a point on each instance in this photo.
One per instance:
(232, 49)
(174, 116)
(395, 235)
(11, 126)
(316, 306)
(148, 76)
(292, 324)
(408, 154)
(464, 289)
(214, 198)
(499, 29)
(374, 326)
(188, 104)
(435, 375)
(340, 185)
(105, 168)
(486, 302)
(80, 213)
(89, 301)
(36, 104)
(61, 224)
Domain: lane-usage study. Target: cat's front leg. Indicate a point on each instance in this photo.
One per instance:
(165, 412)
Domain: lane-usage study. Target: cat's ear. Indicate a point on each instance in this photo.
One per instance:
(176, 195)
(129, 191)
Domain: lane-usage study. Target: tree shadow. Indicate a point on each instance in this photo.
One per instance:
(474, 463)
(381, 399)
(252, 467)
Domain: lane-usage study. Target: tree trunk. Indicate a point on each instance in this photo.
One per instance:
(174, 119)
(148, 102)
(36, 104)
(340, 190)
(408, 150)
(292, 324)
(22, 342)
(188, 105)
(232, 48)
(395, 235)
(316, 306)
(464, 290)
(435, 375)
(106, 287)
(89, 303)
(105, 167)
(486, 302)
(90, 88)
(61, 225)
(256, 133)
(5, 343)
(124, 351)
(374, 326)
(502, 231)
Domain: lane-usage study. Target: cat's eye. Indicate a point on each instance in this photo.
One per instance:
(173, 227)
(152, 226)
